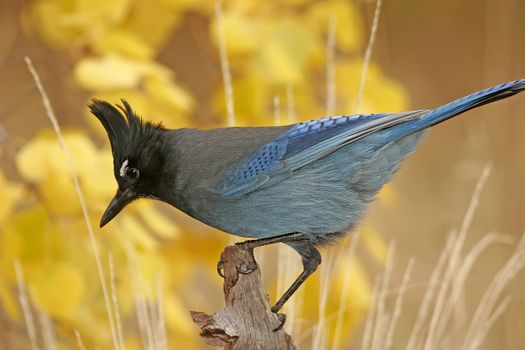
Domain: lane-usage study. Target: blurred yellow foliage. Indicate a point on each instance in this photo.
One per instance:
(356, 302)
(10, 193)
(55, 277)
(276, 49)
(347, 20)
(374, 243)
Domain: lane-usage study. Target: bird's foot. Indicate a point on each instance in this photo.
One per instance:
(220, 268)
(244, 269)
(282, 319)
(250, 244)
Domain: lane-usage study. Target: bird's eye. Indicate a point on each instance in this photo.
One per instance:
(132, 173)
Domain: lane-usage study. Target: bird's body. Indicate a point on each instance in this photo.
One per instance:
(302, 184)
(321, 200)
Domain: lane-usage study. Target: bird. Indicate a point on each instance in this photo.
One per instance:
(303, 185)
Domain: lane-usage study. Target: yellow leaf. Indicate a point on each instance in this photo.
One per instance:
(278, 66)
(392, 96)
(251, 98)
(359, 293)
(152, 22)
(374, 243)
(108, 72)
(58, 289)
(67, 23)
(380, 94)
(30, 237)
(167, 92)
(124, 43)
(205, 7)
(157, 222)
(83, 152)
(32, 160)
(177, 316)
(179, 263)
(43, 158)
(133, 230)
(132, 343)
(41, 18)
(347, 19)
(59, 194)
(10, 192)
(240, 31)
(356, 302)
(284, 53)
(99, 183)
(152, 267)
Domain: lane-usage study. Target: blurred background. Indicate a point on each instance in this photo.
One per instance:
(290, 60)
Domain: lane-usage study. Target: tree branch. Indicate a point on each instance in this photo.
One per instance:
(246, 322)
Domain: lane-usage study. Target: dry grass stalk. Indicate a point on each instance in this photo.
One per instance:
(277, 111)
(367, 335)
(114, 299)
(454, 262)
(48, 333)
(429, 294)
(80, 343)
(331, 97)
(381, 316)
(141, 304)
(94, 245)
(455, 300)
(398, 304)
(161, 323)
(368, 55)
(225, 65)
(487, 312)
(26, 307)
(290, 103)
(344, 291)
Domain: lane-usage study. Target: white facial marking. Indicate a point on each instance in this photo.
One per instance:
(123, 168)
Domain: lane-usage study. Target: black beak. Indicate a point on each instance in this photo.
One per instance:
(121, 199)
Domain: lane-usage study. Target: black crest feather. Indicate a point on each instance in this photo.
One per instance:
(126, 130)
(116, 125)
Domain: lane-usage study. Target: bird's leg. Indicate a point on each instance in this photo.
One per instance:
(303, 245)
(251, 244)
(286, 238)
(311, 259)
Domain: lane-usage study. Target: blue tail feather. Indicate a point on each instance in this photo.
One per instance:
(456, 107)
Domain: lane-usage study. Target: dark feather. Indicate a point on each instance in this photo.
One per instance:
(130, 137)
(114, 122)
(121, 125)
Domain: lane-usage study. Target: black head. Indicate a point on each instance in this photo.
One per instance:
(138, 158)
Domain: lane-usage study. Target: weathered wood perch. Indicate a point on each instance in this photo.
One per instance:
(246, 322)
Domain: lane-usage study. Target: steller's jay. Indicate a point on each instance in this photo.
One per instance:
(304, 184)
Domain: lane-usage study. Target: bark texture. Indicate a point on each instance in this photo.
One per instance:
(246, 322)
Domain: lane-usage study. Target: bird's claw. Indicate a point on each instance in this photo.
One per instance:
(246, 269)
(282, 319)
(220, 268)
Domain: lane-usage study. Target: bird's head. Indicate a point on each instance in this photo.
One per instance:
(138, 157)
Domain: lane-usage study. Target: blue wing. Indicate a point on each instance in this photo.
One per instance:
(307, 142)
(303, 144)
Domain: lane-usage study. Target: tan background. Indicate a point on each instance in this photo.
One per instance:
(439, 50)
